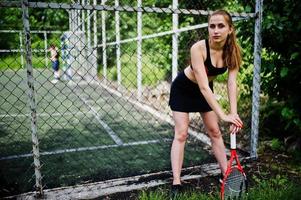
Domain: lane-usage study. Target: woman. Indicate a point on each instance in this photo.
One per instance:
(192, 90)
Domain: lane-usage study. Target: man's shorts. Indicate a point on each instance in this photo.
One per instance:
(55, 65)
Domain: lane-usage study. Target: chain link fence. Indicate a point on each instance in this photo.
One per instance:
(107, 116)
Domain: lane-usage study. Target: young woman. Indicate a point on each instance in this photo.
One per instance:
(192, 90)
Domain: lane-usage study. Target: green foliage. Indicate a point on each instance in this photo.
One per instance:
(280, 82)
(14, 62)
(276, 145)
(278, 188)
(10, 20)
(151, 71)
(281, 37)
(10, 63)
(40, 19)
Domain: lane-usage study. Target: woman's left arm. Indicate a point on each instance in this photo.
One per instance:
(232, 90)
(232, 95)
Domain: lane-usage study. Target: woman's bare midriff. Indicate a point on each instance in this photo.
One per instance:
(190, 75)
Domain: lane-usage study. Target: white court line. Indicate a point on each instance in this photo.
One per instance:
(112, 134)
(80, 149)
(200, 136)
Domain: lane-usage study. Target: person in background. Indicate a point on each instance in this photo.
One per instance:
(192, 91)
(54, 57)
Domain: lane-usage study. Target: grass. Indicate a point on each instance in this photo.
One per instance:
(11, 62)
(163, 195)
(14, 62)
(151, 72)
(275, 175)
(277, 188)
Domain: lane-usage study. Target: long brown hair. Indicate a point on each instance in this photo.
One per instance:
(231, 51)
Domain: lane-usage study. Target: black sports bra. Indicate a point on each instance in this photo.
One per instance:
(210, 69)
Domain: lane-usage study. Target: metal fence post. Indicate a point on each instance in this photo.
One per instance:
(21, 49)
(45, 47)
(175, 23)
(256, 80)
(31, 98)
(118, 49)
(104, 42)
(139, 51)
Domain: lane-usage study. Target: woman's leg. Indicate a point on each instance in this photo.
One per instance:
(177, 149)
(210, 120)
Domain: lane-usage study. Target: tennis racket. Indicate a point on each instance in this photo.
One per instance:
(234, 184)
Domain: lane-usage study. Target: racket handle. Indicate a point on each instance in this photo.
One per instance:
(233, 140)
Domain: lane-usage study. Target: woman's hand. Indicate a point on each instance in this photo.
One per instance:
(234, 120)
(234, 129)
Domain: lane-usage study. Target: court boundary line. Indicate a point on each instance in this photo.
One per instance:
(81, 149)
(164, 117)
(107, 128)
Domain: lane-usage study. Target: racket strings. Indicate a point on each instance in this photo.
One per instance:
(236, 178)
(235, 184)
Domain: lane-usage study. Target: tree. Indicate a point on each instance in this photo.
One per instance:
(280, 68)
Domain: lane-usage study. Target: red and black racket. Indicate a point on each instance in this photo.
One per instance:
(234, 184)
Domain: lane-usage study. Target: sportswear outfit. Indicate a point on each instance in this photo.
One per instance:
(185, 95)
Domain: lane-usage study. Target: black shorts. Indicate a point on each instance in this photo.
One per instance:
(55, 65)
(185, 96)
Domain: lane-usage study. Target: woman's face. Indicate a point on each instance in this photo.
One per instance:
(218, 28)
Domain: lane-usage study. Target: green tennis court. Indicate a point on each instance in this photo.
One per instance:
(86, 133)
